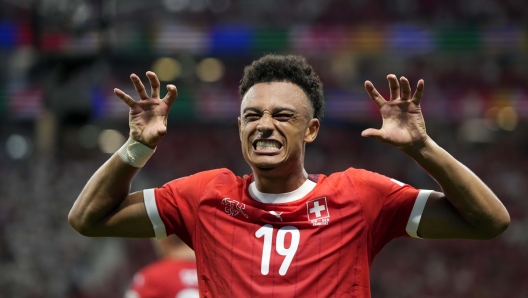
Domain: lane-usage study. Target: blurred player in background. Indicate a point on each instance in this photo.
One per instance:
(173, 276)
(281, 232)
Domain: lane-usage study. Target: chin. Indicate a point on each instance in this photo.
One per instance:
(265, 162)
(263, 169)
(265, 166)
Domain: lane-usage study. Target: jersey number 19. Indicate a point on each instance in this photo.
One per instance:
(267, 231)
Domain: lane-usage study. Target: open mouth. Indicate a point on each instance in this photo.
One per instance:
(267, 145)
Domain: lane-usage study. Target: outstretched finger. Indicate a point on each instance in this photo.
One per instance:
(154, 84)
(419, 92)
(394, 87)
(405, 88)
(374, 94)
(124, 97)
(140, 89)
(171, 95)
(371, 133)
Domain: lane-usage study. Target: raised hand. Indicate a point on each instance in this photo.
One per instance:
(148, 116)
(403, 124)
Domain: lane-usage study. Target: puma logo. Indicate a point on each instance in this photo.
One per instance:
(278, 215)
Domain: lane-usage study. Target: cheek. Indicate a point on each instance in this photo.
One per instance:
(245, 134)
(294, 143)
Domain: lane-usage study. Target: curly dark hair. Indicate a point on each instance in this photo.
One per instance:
(285, 68)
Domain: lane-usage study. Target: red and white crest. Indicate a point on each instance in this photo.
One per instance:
(233, 207)
(318, 212)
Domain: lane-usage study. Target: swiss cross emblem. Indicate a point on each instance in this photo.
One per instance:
(318, 212)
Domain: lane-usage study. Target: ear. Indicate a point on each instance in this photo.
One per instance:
(312, 130)
(239, 131)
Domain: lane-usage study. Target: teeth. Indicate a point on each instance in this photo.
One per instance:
(267, 145)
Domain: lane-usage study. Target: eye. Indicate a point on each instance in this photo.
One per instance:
(251, 117)
(283, 116)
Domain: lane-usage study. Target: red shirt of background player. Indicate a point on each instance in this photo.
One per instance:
(317, 241)
(166, 278)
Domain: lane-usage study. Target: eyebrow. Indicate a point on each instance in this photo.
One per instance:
(274, 111)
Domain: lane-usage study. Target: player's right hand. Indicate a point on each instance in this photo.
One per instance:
(148, 116)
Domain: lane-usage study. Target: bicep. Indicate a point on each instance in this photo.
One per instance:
(440, 220)
(129, 219)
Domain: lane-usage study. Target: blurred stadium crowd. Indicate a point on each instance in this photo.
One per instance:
(59, 121)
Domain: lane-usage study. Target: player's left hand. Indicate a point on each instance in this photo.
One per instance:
(403, 124)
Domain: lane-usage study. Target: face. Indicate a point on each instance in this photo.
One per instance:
(275, 123)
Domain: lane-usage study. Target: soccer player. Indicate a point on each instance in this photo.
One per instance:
(173, 276)
(280, 231)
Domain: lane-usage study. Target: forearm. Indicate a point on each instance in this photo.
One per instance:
(105, 207)
(103, 193)
(467, 193)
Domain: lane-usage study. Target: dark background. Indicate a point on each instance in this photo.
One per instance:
(59, 120)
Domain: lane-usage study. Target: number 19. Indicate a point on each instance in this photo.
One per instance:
(267, 232)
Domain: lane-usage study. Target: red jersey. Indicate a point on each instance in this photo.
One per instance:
(167, 278)
(317, 241)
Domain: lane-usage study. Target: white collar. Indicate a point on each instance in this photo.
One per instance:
(271, 198)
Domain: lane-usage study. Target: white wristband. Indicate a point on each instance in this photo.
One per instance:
(134, 153)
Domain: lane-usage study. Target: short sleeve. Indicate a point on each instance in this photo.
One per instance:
(172, 208)
(392, 208)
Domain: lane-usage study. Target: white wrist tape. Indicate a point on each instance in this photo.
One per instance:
(134, 153)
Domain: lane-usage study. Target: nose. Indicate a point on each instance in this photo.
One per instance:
(265, 126)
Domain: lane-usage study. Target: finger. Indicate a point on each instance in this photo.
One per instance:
(405, 88)
(374, 94)
(394, 87)
(171, 95)
(419, 92)
(140, 89)
(371, 133)
(162, 131)
(154, 84)
(125, 97)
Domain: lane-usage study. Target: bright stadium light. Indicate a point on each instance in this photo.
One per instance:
(110, 140)
(210, 70)
(167, 69)
(18, 147)
(507, 118)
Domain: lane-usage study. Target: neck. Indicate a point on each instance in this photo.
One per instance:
(267, 182)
